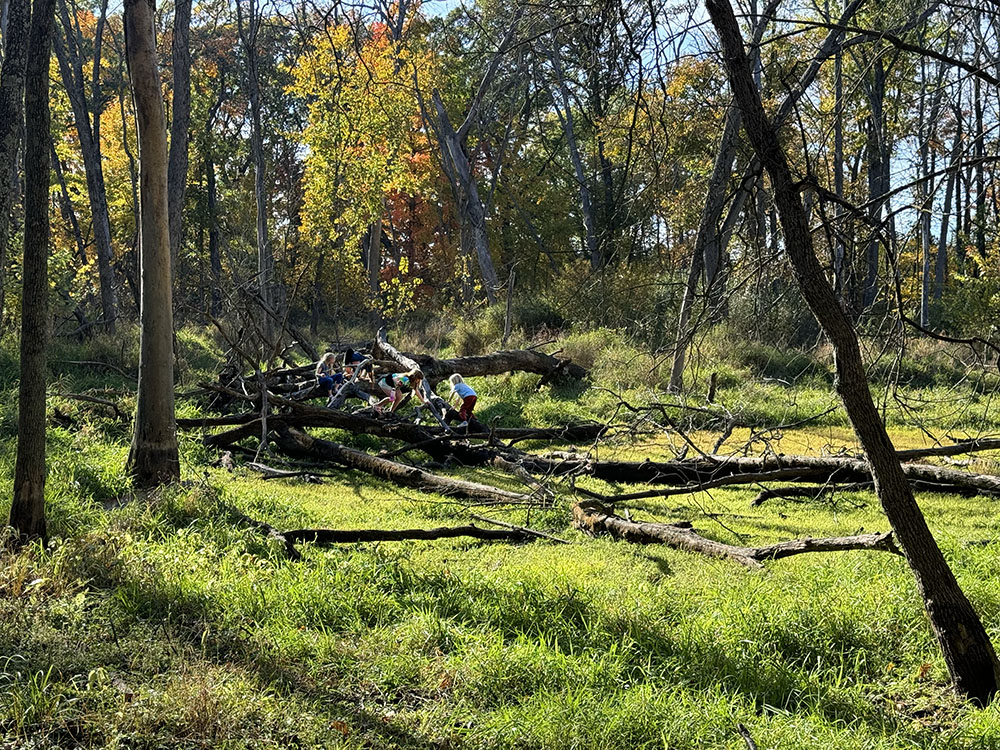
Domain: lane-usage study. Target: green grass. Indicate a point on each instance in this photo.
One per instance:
(161, 622)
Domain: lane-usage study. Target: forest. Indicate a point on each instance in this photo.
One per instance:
(452, 374)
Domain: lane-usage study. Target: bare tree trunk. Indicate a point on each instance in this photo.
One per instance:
(838, 171)
(214, 255)
(978, 151)
(566, 120)
(707, 242)
(941, 262)
(68, 52)
(248, 31)
(373, 264)
(966, 646)
(11, 119)
(27, 511)
(153, 459)
(180, 118)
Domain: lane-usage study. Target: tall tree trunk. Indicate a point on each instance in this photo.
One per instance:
(566, 120)
(180, 118)
(67, 46)
(941, 262)
(966, 646)
(707, 242)
(373, 264)
(153, 459)
(27, 511)
(978, 152)
(248, 31)
(11, 119)
(876, 180)
(839, 250)
(214, 254)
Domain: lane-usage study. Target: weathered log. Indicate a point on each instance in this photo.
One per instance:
(956, 449)
(809, 493)
(497, 363)
(328, 537)
(297, 443)
(522, 529)
(593, 518)
(696, 472)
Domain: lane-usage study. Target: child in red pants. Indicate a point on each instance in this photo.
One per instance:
(466, 397)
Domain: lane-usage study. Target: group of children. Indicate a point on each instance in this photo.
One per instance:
(331, 378)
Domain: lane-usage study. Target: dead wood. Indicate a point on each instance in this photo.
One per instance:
(695, 472)
(297, 443)
(119, 414)
(496, 363)
(593, 518)
(327, 537)
(964, 446)
(522, 529)
(807, 493)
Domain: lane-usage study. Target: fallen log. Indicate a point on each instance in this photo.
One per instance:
(594, 519)
(808, 493)
(696, 473)
(956, 449)
(297, 443)
(431, 439)
(329, 537)
(522, 529)
(497, 363)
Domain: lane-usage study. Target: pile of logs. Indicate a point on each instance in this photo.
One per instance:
(287, 414)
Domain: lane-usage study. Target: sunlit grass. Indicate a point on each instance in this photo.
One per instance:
(164, 623)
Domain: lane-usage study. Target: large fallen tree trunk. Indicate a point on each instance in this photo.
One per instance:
(708, 471)
(497, 363)
(593, 518)
(297, 443)
(325, 537)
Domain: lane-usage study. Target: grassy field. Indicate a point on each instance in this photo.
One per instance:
(161, 622)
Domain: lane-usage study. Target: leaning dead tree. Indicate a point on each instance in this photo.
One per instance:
(964, 642)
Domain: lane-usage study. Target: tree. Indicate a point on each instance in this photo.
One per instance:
(69, 52)
(180, 119)
(153, 459)
(27, 511)
(965, 644)
(11, 117)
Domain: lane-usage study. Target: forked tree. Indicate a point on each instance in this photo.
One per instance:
(964, 642)
(153, 457)
(27, 511)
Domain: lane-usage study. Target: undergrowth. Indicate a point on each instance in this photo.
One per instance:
(161, 621)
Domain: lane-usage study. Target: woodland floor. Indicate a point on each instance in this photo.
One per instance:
(162, 623)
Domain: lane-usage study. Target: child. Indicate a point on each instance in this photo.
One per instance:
(396, 385)
(352, 360)
(328, 374)
(466, 397)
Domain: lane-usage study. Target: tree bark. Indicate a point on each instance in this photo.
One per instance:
(496, 363)
(566, 120)
(153, 458)
(67, 47)
(180, 118)
(248, 32)
(27, 511)
(966, 646)
(593, 518)
(298, 443)
(11, 119)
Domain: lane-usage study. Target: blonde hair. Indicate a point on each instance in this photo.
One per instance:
(323, 360)
(455, 379)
